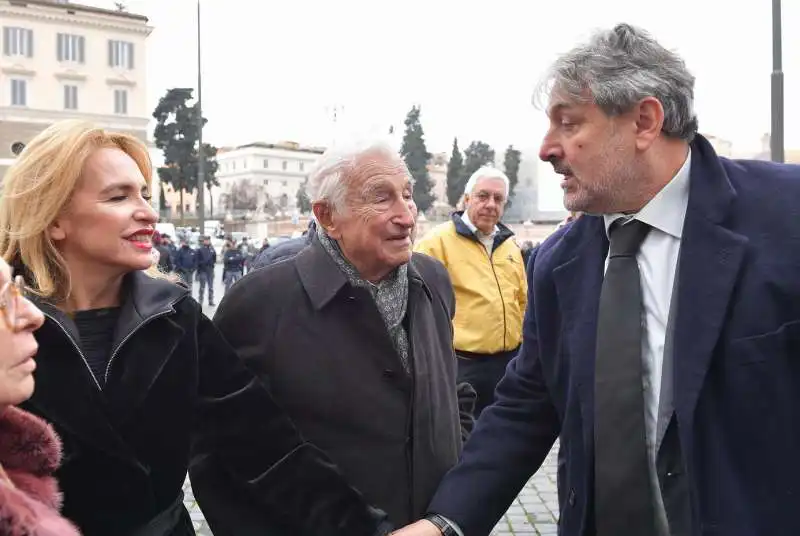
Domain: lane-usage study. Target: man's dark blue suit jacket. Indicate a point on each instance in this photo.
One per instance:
(736, 364)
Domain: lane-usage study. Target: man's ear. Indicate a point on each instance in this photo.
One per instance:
(649, 121)
(324, 216)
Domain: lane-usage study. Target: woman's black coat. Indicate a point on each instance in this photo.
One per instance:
(175, 389)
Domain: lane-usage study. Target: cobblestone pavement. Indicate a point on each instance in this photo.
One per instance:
(534, 512)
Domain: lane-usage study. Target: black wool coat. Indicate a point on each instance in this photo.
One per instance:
(176, 390)
(323, 349)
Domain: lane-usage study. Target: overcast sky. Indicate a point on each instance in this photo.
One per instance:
(275, 70)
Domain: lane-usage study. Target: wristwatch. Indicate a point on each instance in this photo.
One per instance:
(442, 524)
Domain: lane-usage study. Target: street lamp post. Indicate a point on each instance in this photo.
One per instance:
(776, 137)
(201, 162)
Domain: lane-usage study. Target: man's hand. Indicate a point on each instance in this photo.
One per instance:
(420, 528)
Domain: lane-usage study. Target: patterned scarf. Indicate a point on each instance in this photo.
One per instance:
(390, 295)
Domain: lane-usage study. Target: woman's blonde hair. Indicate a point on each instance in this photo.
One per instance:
(37, 187)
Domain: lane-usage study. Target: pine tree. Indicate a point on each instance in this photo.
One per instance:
(177, 134)
(455, 175)
(416, 157)
(477, 155)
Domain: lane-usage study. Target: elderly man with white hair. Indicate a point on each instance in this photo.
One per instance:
(354, 335)
(488, 277)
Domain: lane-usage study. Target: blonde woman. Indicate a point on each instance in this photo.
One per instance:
(130, 372)
(29, 449)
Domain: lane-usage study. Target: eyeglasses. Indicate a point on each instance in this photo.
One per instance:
(10, 295)
(484, 196)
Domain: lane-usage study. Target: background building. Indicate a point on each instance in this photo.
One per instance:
(260, 179)
(61, 60)
(538, 196)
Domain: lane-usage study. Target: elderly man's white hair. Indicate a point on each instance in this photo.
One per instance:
(325, 183)
(486, 172)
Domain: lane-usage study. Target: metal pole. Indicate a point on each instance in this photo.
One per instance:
(201, 162)
(776, 137)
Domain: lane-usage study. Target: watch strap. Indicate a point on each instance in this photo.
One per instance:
(442, 524)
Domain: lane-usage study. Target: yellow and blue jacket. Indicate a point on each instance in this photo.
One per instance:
(491, 289)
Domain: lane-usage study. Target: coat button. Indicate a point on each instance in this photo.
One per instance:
(571, 499)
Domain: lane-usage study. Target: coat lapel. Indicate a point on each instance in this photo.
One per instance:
(142, 344)
(710, 263)
(326, 285)
(578, 282)
(419, 336)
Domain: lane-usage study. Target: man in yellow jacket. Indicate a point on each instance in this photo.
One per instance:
(488, 276)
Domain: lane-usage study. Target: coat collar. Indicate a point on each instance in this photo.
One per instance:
(710, 262)
(322, 278)
(29, 452)
(145, 297)
(27, 443)
(502, 234)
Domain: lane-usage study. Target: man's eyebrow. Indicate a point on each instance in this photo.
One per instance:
(375, 185)
(560, 107)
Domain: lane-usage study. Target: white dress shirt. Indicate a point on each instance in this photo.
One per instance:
(658, 262)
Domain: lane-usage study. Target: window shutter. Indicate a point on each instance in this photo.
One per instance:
(111, 53)
(30, 42)
(130, 55)
(82, 49)
(60, 47)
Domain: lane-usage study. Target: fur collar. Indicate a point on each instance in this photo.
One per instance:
(29, 452)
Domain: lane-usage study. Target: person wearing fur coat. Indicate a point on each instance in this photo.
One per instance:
(30, 451)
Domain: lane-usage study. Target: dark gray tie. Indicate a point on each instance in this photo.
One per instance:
(623, 497)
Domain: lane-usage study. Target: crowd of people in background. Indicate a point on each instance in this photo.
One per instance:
(199, 263)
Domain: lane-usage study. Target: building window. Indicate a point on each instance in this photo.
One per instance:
(244, 164)
(17, 41)
(302, 166)
(266, 182)
(120, 54)
(70, 97)
(19, 92)
(233, 166)
(121, 101)
(285, 184)
(285, 164)
(71, 48)
(266, 163)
